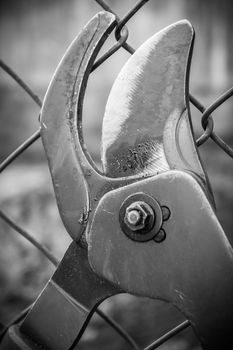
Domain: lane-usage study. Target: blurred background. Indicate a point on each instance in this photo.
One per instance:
(33, 37)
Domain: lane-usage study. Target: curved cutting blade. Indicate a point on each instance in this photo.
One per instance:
(61, 122)
(146, 126)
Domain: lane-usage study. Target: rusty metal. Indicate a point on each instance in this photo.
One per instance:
(196, 299)
(110, 52)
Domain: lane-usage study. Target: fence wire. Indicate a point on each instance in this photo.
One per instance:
(207, 122)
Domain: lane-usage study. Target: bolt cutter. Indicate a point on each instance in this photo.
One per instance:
(146, 223)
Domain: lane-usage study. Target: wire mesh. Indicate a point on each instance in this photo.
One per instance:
(207, 122)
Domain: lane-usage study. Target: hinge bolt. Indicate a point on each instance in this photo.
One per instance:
(133, 217)
(139, 216)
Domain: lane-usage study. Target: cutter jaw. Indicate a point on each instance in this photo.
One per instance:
(147, 102)
(61, 125)
(147, 127)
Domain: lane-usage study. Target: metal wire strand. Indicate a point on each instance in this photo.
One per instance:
(31, 239)
(106, 7)
(22, 83)
(168, 335)
(19, 150)
(216, 104)
(196, 103)
(222, 144)
(210, 124)
(110, 52)
(207, 133)
(217, 139)
(119, 329)
(205, 118)
(128, 16)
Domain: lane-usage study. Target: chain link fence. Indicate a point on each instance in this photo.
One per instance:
(207, 122)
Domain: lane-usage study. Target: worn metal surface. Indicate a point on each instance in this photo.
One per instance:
(62, 311)
(61, 124)
(139, 216)
(146, 122)
(192, 268)
(147, 130)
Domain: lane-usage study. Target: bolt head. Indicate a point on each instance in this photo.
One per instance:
(133, 217)
(139, 216)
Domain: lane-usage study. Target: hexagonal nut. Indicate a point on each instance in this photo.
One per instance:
(138, 215)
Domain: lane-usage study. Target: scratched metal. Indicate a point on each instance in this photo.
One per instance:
(192, 268)
(61, 131)
(146, 122)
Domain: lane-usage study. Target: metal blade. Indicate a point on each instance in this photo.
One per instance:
(61, 122)
(146, 126)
